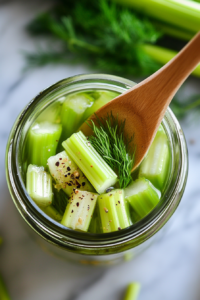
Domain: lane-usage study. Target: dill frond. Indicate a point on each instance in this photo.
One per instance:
(110, 142)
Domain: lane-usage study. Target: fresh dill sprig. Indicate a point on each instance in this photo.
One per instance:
(60, 200)
(110, 142)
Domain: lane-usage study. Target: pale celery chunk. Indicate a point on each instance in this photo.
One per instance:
(79, 211)
(104, 97)
(156, 164)
(132, 291)
(52, 213)
(39, 185)
(90, 162)
(113, 209)
(67, 174)
(142, 196)
(42, 142)
(72, 113)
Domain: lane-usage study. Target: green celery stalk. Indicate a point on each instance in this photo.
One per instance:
(156, 164)
(182, 13)
(42, 142)
(90, 162)
(79, 210)
(113, 209)
(163, 55)
(132, 291)
(39, 185)
(174, 31)
(104, 97)
(142, 196)
(3, 290)
(72, 113)
(52, 213)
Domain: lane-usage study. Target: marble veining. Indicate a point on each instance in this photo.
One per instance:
(168, 270)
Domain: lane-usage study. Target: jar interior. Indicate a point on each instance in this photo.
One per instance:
(55, 98)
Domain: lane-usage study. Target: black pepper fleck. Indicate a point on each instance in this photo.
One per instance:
(57, 163)
(77, 204)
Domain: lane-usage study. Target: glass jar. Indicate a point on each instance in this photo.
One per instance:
(88, 248)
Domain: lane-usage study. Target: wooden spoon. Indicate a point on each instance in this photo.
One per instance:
(144, 105)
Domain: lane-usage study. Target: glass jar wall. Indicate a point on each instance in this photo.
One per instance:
(88, 248)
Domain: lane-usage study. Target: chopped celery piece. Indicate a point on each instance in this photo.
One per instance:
(132, 291)
(39, 185)
(51, 113)
(42, 142)
(52, 213)
(113, 210)
(104, 97)
(95, 224)
(156, 164)
(79, 211)
(90, 162)
(67, 174)
(3, 290)
(60, 200)
(72, 112)
(141, 196)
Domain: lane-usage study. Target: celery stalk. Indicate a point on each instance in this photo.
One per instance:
(174, 31)
(67, 174)
(156, 164)
(42, 142)
(79, 210)
(90, 162)
(72, 113)
(162, 55)
(142, 196)
(39, 185)
(52, 213)
(113, 209)
(3, 290)
(132, 291)
(181, 13)
(104, 97)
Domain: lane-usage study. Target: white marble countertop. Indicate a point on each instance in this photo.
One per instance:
(170, 269)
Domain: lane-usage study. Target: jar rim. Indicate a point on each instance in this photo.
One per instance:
(66, 237)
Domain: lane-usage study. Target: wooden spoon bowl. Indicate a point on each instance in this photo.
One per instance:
(144, 105)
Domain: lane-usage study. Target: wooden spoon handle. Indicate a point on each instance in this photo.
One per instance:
(163, 84)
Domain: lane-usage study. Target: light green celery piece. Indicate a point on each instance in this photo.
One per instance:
(163, 55)
(3, 290)
(104, 97)
(113, 209)
(51, 113)
(95, 224)
(181, 13)
(52, 213)
(132, 291)
(39, 185)
(156, 164)
(72, 112)
(42, 142)
(79, 211)
(90, 162)
(67, 174)
(142, 196)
